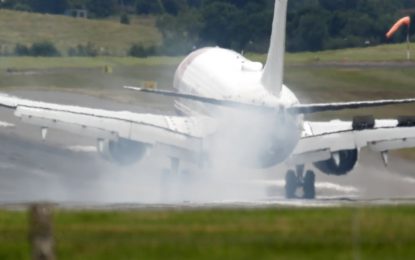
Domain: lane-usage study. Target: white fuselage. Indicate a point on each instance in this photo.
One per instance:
(225, 74)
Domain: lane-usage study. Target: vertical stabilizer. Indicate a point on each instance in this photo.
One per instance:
(274, 69)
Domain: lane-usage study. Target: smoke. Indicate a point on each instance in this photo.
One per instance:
(226, 176)
(58, 171)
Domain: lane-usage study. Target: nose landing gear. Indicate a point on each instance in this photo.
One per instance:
(296, 179)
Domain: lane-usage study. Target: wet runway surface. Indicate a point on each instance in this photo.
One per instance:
(66, 169)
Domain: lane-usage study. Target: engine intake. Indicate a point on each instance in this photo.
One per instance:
(123, 151)
(345, 162)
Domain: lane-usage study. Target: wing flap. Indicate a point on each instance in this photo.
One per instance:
(395, 144)
(321, 139)
(45, 119)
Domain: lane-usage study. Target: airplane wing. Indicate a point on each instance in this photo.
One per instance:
(179, 132)
(320, 140)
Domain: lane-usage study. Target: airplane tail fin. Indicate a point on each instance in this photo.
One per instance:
(274, 68)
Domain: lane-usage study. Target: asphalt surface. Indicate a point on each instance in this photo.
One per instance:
(66, 169)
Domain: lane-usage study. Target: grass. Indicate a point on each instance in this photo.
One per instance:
(65, 32)
(22, 63)
(285, 233)
(381, 53)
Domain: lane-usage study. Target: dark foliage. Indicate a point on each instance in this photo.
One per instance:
(101, 8)
(124, 19)
(148, 7)
(48, 6)
(246, 24)
(87, 50)
(45, 49)
(21, 50)
(138, 50)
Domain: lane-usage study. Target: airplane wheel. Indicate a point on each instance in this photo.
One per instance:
(290, 184)
(309, 185)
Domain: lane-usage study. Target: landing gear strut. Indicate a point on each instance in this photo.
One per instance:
(170, 179)
(296, 179)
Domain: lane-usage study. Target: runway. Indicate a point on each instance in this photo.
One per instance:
(65, 169)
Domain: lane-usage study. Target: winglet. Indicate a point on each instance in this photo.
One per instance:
(274, 69)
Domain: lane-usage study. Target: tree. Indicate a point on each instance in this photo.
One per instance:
(314, 32)
(173, 7)
(101, 8)
(181, 33)
(148, 7)
(48, 6)
(218, 24)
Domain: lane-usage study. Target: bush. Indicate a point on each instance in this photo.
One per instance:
(22, 7)
(46, 49)
(124, 19)
(138, 50)
(21, 50)
(87, 50)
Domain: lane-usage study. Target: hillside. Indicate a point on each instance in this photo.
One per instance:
(66, 32)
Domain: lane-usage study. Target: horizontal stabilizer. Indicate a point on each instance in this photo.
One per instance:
(294, 109)
(325, 107)
(207, 100)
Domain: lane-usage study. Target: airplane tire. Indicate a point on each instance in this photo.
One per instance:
(290, 184)
(309, 185)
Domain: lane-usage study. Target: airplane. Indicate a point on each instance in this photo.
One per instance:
(224, 98)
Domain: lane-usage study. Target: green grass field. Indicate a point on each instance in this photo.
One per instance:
(278, 233)
(381, 53)
(108, 35)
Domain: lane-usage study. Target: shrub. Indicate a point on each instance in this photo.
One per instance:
(21, 50)
(22, 7)
(45, 48)
(88, 49)
(124, 19)
(138, 50)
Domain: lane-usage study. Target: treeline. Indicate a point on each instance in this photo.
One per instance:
(48, 49)
(246, 24)
(312, 25)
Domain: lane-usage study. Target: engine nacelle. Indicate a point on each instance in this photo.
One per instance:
(122, 151)
(340, 163)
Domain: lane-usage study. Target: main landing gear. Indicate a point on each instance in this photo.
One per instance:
(296, 179)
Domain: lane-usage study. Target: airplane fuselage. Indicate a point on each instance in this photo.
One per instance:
(268, 138)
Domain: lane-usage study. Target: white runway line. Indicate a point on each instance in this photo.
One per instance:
(336, 187)
(7, 166)
(319, 185)
(82, 149)
(6, 124)
(409, 180)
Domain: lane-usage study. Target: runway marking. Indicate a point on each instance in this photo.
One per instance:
(319, 185)
(6, 124)
(82, 149)
(7, 166)
(409, 179)
(336, 187)
(43, 173)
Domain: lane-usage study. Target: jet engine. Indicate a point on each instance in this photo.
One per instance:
(122, 151)
(340, 163)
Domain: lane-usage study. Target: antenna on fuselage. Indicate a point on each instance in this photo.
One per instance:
(274, 68)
